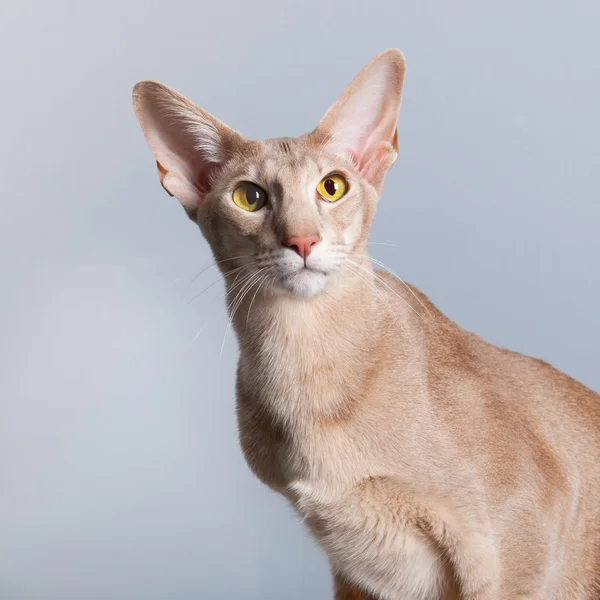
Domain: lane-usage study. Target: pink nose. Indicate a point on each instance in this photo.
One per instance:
(302, 244)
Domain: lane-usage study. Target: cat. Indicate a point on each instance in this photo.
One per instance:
(427, 463)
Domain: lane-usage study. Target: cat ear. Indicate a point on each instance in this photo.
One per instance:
(362, 124)
(189, 144)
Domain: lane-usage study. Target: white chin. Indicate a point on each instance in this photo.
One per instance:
(305, 283)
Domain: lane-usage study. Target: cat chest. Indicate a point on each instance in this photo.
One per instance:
(363, 525)
(283, 442)
(278, 455)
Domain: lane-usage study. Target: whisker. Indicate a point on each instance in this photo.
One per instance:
(235, 304)
(205, 322)
(254, 297)
(402, 282)
(244, 292)
(242, 281)
(379, 295)
(213, 264)
(384, 266)
(217, 281)
(380, 279)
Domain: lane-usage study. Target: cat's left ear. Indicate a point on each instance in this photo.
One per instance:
(362, 124)
(189, 144)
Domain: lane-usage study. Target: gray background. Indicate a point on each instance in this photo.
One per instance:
(120, 474)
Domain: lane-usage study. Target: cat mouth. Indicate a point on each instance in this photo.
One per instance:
(302, 279)
(313, 270)
(305, 281)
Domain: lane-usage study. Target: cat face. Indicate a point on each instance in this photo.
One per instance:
(295, 212)
(290, 212)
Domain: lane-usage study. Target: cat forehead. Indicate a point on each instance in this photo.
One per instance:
(284, 146)
(286, 158)
(290, 152)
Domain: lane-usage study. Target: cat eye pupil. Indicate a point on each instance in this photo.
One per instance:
(330, 187)
(252, 196)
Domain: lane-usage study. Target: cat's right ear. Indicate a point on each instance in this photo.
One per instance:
(189, 144)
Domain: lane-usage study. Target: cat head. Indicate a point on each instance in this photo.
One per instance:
(297, 210)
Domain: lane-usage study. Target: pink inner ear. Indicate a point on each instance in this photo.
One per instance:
(382, 131)
(190, 177)
(189, 144)
(361, 125)
(377, 163)
(371, 144)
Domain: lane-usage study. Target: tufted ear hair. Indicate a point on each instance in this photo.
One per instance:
(189, 144)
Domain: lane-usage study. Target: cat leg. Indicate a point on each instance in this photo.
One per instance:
(468, 548)
(402, 545)
(346, 591)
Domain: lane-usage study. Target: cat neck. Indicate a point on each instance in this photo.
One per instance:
(304, 358)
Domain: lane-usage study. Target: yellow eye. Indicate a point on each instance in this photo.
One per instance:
(332, 187)
(249, 196)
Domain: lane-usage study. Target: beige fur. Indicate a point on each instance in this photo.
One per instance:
(426, 462)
